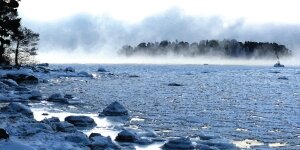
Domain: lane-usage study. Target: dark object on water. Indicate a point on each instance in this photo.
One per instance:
(174, 84)
(179, 144)
(115, 109)
(127, 136)
(278, 64)
(3, 134)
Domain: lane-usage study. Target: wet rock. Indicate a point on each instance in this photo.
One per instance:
(57, 97)
(179, 144)
(30, 80)
(15, 107)
(218, 144)
(94, 134)
(127, 136)
(144, 141)
(81, 121)
(68, 96)
(99, 142)
(115, 109)
(23, 78)
(10, 82)
(78, 138)
(174, 84)
(50, 120)
(3, 134)
(45, 114)
(101, 70)
(70, 69)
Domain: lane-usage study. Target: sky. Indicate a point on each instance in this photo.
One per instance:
(101, 27)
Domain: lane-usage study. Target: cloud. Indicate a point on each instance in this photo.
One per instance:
(102, 33)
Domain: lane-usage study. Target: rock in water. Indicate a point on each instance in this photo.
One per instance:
(3, 134)
(57, 97)
(81, 121)
(174, 84)
(179, 144)
(70, 69)
(17, 108)
(101, 70)
(127, 136)
(115, 109)
(100, 142)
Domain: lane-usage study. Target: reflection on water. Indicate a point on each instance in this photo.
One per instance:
(247, 143)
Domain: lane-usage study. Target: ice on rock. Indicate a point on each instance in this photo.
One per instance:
(81, 121)
(115, 109)
(179, 144)
(15, 107)
(57, 97)
(3, 134)
(70, 69)
(127, 136)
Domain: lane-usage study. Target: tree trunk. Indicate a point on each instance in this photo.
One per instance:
(17, 54)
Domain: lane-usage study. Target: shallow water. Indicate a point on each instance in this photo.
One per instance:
(244, 104)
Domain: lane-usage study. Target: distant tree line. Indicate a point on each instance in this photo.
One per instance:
(18, 44)
(228, 48)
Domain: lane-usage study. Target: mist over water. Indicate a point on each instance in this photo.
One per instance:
(97, 39)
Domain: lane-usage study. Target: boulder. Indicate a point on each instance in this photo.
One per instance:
(23, 78)
(283, 78)
(127, 136)
(81, 121)
(57, 97)
(3, 134)
(100, 142)
(115, 109)
(17, 108)
(78, 138)
(70, 69)
(84, 74)
(64, 126)
(179, 144)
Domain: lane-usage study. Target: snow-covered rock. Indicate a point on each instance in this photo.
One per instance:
(15, 107)
(29, 128)
(3, 134)
(115, 109)
(81, 121)
(64, 126)
(57, 97)
(179, 144)
(101, 142)
(13, 145)
(70, 69)
(127, 136)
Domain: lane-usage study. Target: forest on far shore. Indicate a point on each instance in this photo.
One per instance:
(228, 48)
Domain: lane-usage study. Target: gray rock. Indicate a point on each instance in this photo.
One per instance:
(179, 144)
(35, 95)
(127, 136)
(64, 126)
(99, 142)
(81, 121)
(84, 74)
(70, 69)
(15, 107)
(78, 138)
(57, 97)
(114, 109)
(101, 70)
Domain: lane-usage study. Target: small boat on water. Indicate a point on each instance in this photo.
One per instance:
(278, 64)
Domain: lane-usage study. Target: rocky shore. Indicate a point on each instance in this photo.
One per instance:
(19, 129)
